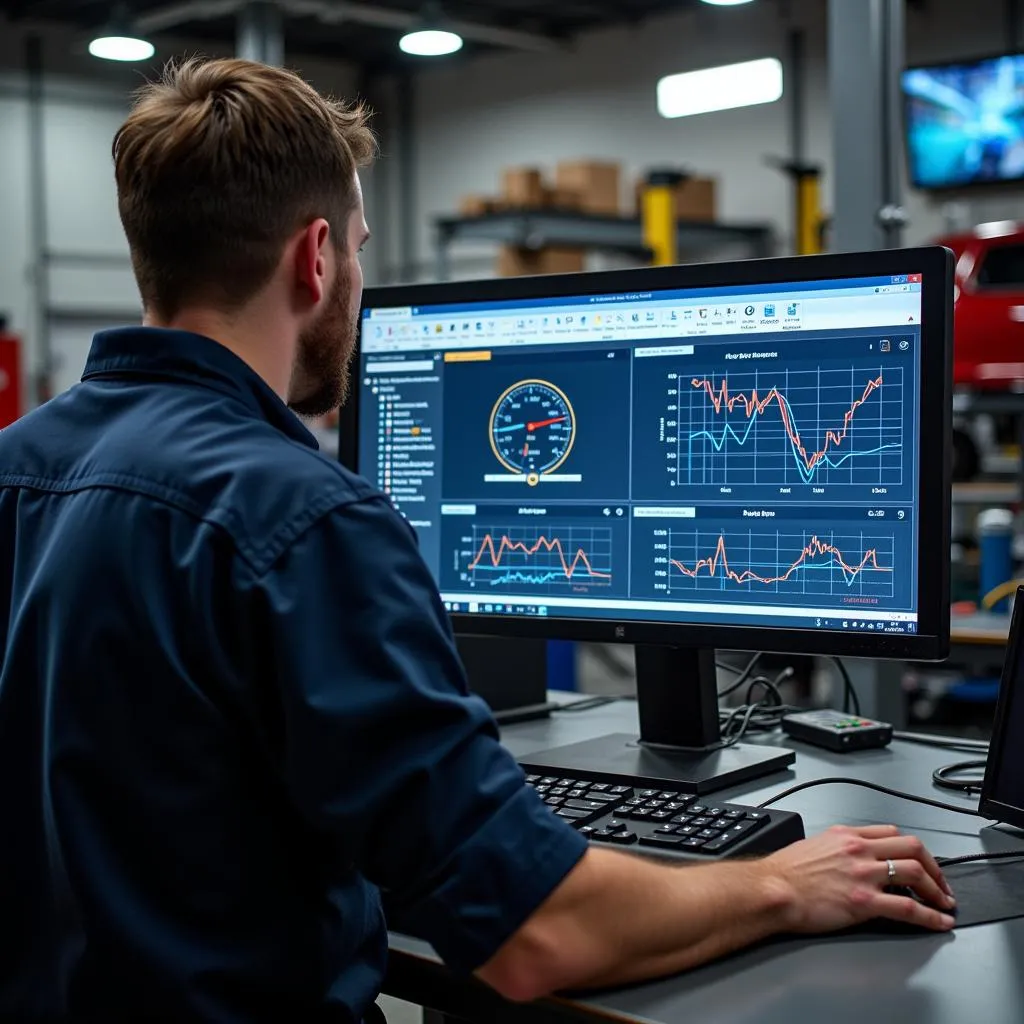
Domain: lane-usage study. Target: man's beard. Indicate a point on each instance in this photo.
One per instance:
(320, 378)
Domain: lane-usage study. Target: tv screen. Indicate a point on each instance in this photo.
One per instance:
(965, 122)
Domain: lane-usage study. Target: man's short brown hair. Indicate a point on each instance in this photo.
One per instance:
(217, 165)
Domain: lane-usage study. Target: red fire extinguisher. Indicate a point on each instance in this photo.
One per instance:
(10, 375)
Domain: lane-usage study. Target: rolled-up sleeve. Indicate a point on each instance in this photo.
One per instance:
(385, 751)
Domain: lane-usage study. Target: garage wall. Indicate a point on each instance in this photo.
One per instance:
(89, 277)
(599, 102)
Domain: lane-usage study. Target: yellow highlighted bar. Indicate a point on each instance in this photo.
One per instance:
(467, 357)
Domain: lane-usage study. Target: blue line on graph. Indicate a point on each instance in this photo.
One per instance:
(807, 474)
(538, 578)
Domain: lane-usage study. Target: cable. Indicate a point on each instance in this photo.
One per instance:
(960, 745)
(996, 594)
(849, 693)
(741, 678)
(973, 811)
(943, 777)
(945, 862)
(588, 703)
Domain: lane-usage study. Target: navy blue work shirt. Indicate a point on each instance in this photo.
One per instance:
(232, 715)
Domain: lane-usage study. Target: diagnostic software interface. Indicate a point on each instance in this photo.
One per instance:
(723, 455)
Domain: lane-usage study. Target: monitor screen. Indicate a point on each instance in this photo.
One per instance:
(965, 122)
(743, 455)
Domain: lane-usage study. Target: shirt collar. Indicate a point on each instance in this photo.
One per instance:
(162, 354)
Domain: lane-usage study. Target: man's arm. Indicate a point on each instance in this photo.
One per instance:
(618, 918)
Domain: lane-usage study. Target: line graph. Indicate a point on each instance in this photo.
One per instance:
(545, 558)
(817, 426)
(791, 563)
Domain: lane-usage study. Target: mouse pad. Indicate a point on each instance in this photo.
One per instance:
(986, 891)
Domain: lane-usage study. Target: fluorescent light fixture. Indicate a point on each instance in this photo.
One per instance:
(127, 48)
(430, 42)
(995, 228)
(722, 88)
(726, 3)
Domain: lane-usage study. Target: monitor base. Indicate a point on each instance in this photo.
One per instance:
(656, 767)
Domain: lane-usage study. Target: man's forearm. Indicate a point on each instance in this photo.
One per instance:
(620, 918)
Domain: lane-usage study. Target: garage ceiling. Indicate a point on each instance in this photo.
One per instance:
(351, 38)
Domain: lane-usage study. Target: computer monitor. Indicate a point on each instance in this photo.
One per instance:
(746, 455)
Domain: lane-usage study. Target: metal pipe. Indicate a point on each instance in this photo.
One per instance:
(260, 35)
(892, 214)
(405, 122)
(177, 14)
(42, 377)
(797, 106)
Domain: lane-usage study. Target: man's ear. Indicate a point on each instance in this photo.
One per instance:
(311, 258)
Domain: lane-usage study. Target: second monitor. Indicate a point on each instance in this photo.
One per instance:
(747, 456)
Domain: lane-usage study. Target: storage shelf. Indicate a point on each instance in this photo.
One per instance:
(538, 229)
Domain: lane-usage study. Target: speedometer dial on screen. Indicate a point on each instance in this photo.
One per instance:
(532, 428)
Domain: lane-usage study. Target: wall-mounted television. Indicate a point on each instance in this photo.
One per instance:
(965, 122)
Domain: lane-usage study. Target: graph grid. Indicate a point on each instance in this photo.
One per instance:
(791, 563)
(817, 426)
(546, 560)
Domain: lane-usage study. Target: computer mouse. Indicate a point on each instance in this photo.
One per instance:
(905, 890)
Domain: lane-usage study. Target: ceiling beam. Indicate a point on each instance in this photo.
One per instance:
(338, 11)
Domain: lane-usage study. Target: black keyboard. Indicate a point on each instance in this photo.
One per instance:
(609, 810)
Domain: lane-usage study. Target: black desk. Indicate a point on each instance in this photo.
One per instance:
(976, 974)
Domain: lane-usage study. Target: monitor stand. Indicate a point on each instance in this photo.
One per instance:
(680, 742)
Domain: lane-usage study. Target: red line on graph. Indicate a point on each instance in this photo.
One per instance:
(813, 548)
(506, 545)
(755, 404)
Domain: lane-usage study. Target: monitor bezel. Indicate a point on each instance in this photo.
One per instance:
(956, 187)
(935, 263)
(989, 805)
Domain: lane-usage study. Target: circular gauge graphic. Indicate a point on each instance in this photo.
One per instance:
(533, 428)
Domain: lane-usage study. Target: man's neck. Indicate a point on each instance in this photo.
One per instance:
(252, 338)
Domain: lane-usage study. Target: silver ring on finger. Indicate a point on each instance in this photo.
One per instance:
(892, 872)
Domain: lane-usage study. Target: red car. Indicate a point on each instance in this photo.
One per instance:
(988, 332)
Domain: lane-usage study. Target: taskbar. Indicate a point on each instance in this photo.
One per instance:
(854, 619)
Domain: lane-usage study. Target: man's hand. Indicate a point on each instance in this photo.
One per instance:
(838, 879)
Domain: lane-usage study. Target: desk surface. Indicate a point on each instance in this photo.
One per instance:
(976, 974)
(979, 628)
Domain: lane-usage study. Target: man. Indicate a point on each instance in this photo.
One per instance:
(231, 711)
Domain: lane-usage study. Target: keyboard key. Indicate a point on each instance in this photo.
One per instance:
(693, 843)
(648, 794)
(682, 819)
(756, 815)
(675, 805)
(698, 809)
(571, 815)
(577, 793)
(599, 787)
(533, 779)
(701, 822)
(605, 798)
(616, 826)
(623, 838)
(640, 814)
(714, 845)
(554, 801)
(715, 812)
(620, 790)
(687, 830)
(673, 842)
(669, 795)
(660, 815)
(542, 789)
(623, 811)
(550, 780)
(569, 783)
(665, 830)
(722, 824)
(709, 833)
(601, 833)
(744, 828)
(585, 805)
(655, 805)
(559, 791)
(586, 830)
(636, 801)
(734, 815)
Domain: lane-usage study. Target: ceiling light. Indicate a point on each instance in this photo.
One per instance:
(722, 88)
(108, 47)
(430, 42)
(726, 3)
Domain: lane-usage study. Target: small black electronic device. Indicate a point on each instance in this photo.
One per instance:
(837, 731)
(1002, 792)
(609, 809)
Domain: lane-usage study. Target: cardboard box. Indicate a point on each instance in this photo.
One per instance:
(696, 199)
(474, 206)
(517, 262)
(562, 198)
(523, 186)
(597, 184)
